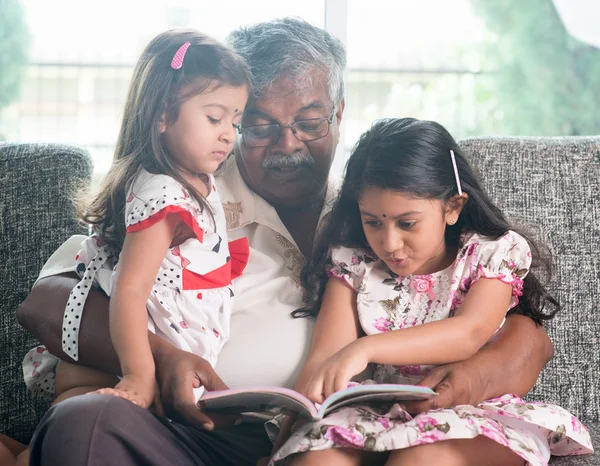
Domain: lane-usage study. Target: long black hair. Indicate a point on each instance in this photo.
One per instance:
(413, 156)
(157, 89)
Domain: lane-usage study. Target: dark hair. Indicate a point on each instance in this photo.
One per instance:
(158, 89)
(413, 156)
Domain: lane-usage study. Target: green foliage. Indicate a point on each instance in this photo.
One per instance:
(14, 42)
(542, 82)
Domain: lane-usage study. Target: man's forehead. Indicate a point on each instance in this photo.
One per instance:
(291, 95)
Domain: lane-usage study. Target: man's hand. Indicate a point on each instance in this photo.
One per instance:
(509, 363)
(178, 373)
(455, 384)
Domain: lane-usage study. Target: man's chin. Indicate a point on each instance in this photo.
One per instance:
(290, 195)
(290, 198)
(287, 175)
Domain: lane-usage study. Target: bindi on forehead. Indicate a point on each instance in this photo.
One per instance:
(384, 215)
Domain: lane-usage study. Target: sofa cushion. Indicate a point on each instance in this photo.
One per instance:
(36, 216)
(553, 184)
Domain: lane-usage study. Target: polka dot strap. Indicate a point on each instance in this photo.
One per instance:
(76, 302)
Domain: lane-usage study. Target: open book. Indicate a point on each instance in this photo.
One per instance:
(260, 399)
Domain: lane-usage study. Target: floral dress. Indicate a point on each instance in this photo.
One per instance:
(388, 302)
(191, 298)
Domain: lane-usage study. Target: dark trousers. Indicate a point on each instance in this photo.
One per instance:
(95, 430)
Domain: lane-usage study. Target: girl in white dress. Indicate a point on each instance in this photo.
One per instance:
(417, 267)
(160, 246)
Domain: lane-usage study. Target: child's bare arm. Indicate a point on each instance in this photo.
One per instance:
(441, 342)
(141, 256)
(337, 325)
(448, 340)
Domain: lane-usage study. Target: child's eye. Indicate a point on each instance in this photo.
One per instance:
(214, 121)
(371, 223)
(406, 225)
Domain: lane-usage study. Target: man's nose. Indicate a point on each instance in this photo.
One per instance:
(288, 144)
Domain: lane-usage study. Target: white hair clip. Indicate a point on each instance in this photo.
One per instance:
(456, 172)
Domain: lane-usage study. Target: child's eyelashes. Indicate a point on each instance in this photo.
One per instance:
(406, 225)
(372, 223)
(376, 224)
(214, 121)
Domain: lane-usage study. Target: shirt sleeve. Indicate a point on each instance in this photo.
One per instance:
(61, 261)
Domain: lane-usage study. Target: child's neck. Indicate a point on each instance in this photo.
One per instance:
(199, 181)
(440, 262)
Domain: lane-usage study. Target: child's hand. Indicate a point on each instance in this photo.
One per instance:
(137, 389)
(335, 373)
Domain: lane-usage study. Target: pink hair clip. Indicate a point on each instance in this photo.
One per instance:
(177, 61)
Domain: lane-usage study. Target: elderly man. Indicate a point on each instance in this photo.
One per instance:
(275, 192)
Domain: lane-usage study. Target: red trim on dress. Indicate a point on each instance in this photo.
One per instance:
(239, 252)
(183, 213)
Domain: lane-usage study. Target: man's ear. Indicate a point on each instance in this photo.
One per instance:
(162, 123)
(340, 110)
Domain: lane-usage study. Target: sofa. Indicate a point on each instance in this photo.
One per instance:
(550, 184)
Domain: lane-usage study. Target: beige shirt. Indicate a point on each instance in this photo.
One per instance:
(266, 346)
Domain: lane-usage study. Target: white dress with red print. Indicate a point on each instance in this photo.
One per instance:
(388, 302)
(190, 302)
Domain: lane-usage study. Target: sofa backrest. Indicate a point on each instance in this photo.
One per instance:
(37, 182)
(553, 185)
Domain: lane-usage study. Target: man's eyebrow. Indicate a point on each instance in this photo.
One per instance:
(259, 113)
(313, 105)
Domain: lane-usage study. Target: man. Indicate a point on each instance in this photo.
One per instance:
(275, 193)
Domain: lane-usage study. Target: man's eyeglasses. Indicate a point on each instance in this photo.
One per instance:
(303, 130)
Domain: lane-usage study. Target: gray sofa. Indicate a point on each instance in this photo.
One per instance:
(551, 183)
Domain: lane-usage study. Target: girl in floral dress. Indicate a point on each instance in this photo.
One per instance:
(417, 267)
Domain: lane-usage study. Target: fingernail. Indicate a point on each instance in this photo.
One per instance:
(208, 426)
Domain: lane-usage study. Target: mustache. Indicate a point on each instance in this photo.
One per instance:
(287, 161)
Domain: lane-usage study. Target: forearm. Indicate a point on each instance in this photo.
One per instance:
(513, 358)
(129, 333)
(42, 315)
(441, 342)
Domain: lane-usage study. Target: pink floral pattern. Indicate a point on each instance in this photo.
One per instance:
(387, 302)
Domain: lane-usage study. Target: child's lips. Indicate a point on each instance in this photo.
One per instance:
(398, 262)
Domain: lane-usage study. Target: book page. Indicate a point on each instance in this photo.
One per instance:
(375, 393)
(257, 399)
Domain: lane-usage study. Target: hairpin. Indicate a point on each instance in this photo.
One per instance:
(456, 172)
(177, 61)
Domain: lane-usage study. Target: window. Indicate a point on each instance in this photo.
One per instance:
(478, 67)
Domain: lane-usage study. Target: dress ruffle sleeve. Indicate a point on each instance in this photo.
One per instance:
(350, 265)
(152, 197)
(507, 259)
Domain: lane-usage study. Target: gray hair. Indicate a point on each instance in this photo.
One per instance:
(290, 47)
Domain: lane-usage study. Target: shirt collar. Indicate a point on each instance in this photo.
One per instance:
(243, 206)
